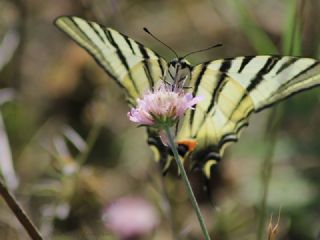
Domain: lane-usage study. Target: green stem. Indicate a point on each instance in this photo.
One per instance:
(187, 184)
(168, 209)
(91, 140)
(266, 172)
(267, 166)
(19, 213)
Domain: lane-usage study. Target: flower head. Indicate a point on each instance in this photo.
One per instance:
(162, 107)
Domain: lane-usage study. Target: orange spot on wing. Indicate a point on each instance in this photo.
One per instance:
(190, 143)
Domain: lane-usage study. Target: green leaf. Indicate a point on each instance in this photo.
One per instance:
(292, 28)
(260, 41)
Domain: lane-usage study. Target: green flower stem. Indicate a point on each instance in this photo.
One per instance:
(19, 213)
(91, 140)
(274, 121)
(187, 184)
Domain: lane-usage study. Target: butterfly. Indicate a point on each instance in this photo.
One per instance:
(232, 88)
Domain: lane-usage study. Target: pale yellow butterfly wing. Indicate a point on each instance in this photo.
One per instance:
(134, 67)
(233, 89)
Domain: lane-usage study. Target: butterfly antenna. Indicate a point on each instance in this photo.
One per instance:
(202, 50)
(147, 31)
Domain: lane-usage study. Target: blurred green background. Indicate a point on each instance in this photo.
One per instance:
(67, 149)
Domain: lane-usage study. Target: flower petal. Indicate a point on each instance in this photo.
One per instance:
(162, 106)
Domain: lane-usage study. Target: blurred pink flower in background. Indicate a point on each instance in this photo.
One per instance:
(130, 218)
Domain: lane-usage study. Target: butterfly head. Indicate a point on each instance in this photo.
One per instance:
(179, 72)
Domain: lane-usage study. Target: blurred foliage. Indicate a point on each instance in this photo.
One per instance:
(74, 151)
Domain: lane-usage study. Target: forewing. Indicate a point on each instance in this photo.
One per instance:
(134, 67)
(233, 89)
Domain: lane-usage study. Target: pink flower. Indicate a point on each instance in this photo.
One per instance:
(130, 217)
(162, 107)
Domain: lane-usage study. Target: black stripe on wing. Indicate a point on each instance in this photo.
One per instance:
(285, 65)
(96, 31)
(147, 70)
(128, 42)
(302, 72)
(94, 55)
(268, 66)
(122, 58)
(285, 86)
(232, 137)
(245, 62)
(144, 53)
(160, 65)
(196, 86)
(286, 97)
(223, 70)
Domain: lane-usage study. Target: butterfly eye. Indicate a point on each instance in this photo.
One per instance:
(173, 63)
(185, 65)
